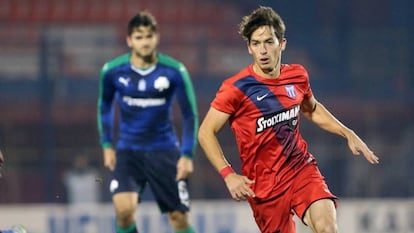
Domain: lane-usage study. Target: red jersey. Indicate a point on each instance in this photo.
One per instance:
(265, 121)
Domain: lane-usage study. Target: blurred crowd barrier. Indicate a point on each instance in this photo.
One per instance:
(354, 216)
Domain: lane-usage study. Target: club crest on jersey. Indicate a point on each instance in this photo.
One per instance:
(124, 81)
(290, 90)
(161, 83)
(289, 116)
(142, 85)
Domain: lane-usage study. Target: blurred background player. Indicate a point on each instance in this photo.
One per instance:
(15, 229)
(144, 83)
(262, 103)
(81, 182)
(1, 162)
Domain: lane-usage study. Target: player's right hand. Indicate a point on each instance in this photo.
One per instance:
(109, 158)
(239, 187)
(357, 146)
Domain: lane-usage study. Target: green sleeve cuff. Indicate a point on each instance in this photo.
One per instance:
(187, 156)
(106, 145)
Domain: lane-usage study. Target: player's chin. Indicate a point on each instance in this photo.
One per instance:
(266, 67)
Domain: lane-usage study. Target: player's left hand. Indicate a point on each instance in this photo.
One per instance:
(184, 168)
(356, 145)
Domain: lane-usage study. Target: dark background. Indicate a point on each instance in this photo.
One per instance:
(359, 55)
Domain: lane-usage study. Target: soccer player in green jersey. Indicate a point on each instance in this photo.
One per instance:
(143, 83)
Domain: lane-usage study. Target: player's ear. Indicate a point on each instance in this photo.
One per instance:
(157, 37)
(248, 47)
(128, 41)
(283, 44)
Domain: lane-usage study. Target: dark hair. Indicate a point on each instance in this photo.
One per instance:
(262, 16)
(142, 19)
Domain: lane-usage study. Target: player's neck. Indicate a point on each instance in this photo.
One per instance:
(143, 62)
(267, 73)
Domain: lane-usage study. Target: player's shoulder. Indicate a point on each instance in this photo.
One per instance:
(294, 68)
(294, 71)
(116, 62)
(169, 61)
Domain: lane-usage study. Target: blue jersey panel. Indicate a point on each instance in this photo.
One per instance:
(145, 99)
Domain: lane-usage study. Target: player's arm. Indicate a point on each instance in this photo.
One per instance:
(207, 137)
(213, 122)
(188, 106)
(318, 114)
(105, 118)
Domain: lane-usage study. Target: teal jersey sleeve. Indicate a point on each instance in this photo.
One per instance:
(107, 91)
(188, 105)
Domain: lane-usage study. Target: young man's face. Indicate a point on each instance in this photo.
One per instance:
(266, 49)
(143, 42)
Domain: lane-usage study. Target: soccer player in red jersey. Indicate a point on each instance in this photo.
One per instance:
(262, 104)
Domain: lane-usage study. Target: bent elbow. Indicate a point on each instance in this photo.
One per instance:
(201, 134)
(204, 135)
